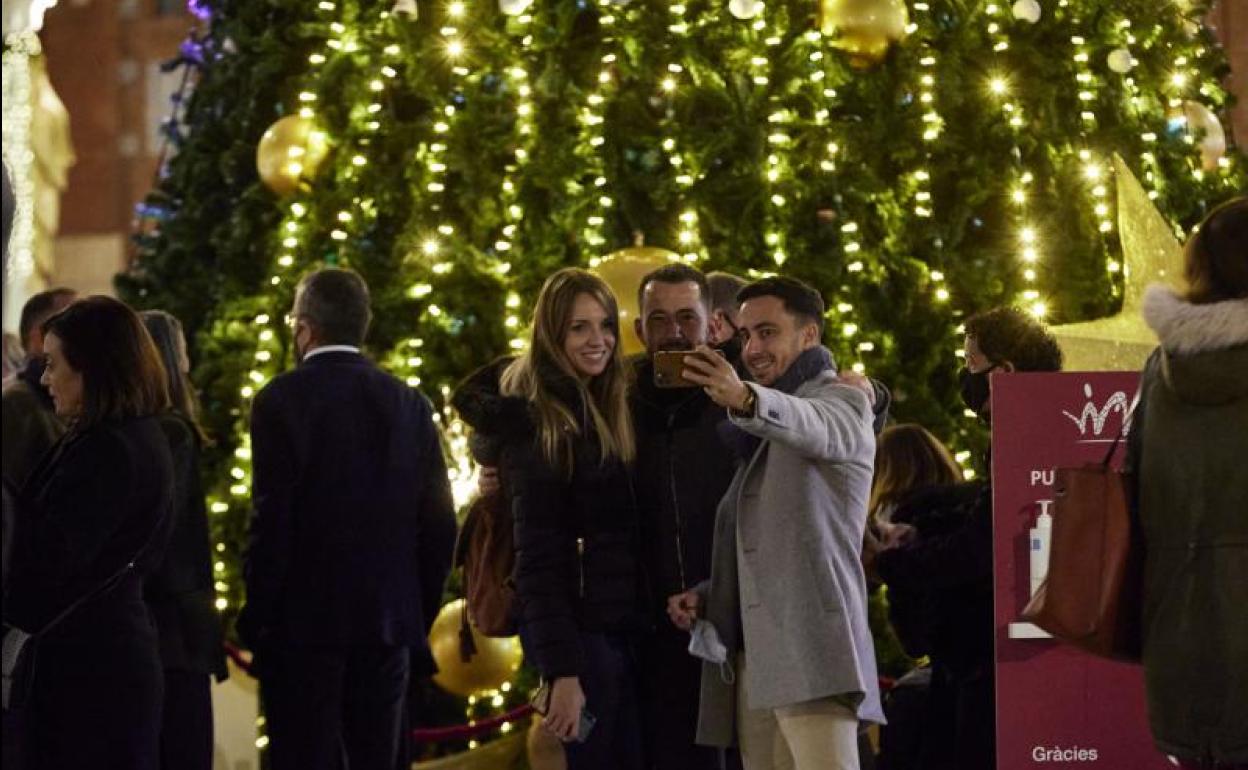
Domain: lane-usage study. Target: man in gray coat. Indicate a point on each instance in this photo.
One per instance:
(787, 596)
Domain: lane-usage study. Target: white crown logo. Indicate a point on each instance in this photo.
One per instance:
(1094, 417)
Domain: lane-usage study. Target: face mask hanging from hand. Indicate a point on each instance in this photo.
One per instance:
(704, 643)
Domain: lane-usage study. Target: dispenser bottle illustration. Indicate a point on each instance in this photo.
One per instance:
(1039, 538)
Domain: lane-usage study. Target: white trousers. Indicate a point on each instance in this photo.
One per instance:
(816, 735)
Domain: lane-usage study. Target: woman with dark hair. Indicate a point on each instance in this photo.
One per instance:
(1187, 447)
(559, 417)
(909, 461)
(180, 592)
(93, 522)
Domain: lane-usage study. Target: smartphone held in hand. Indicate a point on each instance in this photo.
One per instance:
(541, 704)
(668, 365)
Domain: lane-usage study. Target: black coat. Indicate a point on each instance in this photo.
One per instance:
(683, 470)
(180, 592)
(354, 522)
(89, 508)
(576, 538)
(100, 498)
(940, 584)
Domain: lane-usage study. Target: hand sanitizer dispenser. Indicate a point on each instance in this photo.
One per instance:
(1039, 538)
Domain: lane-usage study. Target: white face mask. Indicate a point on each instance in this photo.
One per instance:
(704, 643)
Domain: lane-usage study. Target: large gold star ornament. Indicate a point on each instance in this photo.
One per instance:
(1150, 254)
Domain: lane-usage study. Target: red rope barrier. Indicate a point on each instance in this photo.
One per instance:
(467, 732)
(236, 655)
(456, 732)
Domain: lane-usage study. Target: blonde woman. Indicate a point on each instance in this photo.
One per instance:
(558, 419)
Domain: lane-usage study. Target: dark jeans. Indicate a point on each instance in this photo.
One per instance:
(670, 689)
(330, 707)
(186, 731)
(609, 681)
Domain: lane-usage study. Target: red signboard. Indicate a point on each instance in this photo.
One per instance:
(1056, 706)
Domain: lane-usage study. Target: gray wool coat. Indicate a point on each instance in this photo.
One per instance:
(788, 537)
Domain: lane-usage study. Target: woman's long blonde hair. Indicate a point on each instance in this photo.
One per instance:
(605, 396)
(908, 457)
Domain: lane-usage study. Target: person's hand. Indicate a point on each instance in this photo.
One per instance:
(487, 481)
(897, 535)
(683, 609)
(717, 377)
(871, 547)
(563, 715)
(859, 381)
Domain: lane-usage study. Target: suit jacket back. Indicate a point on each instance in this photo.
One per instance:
(354, 523)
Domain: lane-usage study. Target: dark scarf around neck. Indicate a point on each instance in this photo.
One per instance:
(809, 365)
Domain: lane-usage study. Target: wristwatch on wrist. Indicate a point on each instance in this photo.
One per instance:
(747, 408)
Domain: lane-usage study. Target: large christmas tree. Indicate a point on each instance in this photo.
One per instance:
(915, 163)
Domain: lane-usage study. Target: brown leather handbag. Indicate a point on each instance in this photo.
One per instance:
(1091, 597)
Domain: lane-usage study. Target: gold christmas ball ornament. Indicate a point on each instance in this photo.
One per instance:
(623, 271)
(864, 29)
(494, 664)
(292, 149)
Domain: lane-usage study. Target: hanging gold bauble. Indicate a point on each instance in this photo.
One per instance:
(291, 149)
(494, 663)
(623, 271)
(864, 29)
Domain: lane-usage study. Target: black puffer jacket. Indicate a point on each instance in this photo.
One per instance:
(577, 566)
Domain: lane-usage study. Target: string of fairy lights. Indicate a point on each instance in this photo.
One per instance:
(593, 120)
(513, 211)
(1095, 173)
(685, 172)
(932, 126)
(19, 49)
(1001, 88)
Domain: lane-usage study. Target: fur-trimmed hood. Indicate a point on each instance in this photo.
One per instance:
(1186, 328)
(1204, 348)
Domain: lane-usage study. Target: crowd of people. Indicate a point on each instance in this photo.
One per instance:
(694, 547)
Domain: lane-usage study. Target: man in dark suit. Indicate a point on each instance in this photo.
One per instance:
(350, 544)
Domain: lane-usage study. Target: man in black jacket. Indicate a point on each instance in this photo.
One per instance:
(30, 425)
(682, 470)
(351, 540)
(939, 556)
